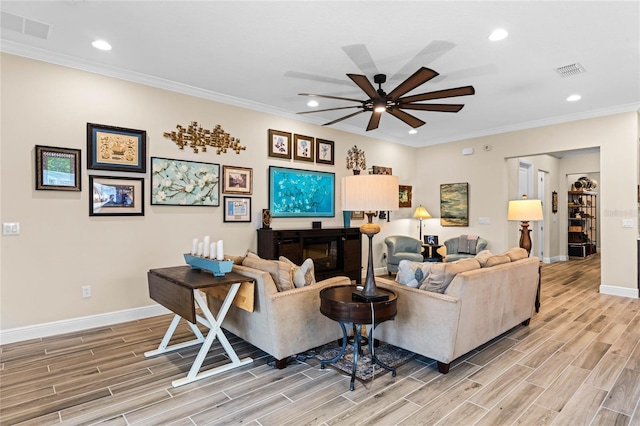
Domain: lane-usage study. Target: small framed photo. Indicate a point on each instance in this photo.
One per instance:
(404, 196)
(116, 196)
(432, 240)
(237, 180)
(357, 215)
(116, 148)
(279, 144)
(303, 148)
(237, 209)
(324, 151)
(58, 169)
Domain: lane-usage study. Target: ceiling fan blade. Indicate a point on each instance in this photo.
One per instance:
(343, 118)
(320, 78)
(374, 121)
(360, 56)
(329, 109)
(433, 107)
(439, 94)
(363, 82)
(331, 97)
(430, 53)
(416, 79)
(407, 118)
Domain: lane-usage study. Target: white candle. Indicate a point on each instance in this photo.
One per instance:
(194, 247)
(206, 246)
(220, 254)
(212, 250)
(199, 253)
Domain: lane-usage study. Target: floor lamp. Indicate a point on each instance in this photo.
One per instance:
(370, 193)
(421, 213)
(524, 211)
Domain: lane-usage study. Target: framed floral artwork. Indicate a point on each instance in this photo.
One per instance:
(237, 180)
(324, 151)
(301, 193)
(279, 144)
(184, 183)
(116, 148)
(303, 148)
(116, 196)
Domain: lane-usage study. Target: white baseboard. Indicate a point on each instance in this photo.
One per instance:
(620, 291)
(20, 334)
(555, 259)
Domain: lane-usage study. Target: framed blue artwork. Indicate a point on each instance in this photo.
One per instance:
(301, 193)
(184, 183)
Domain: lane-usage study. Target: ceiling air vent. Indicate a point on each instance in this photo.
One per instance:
(570, 70)
(10, 21)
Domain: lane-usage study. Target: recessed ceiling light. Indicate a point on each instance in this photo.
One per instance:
(312, 103)
(101, 44)
(413, 131)
(574, 98)
(498, 34)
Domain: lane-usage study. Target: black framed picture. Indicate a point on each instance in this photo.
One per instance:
(116, 148)
(432, 240)
(58, 169)
(116, 196)
(237, 209)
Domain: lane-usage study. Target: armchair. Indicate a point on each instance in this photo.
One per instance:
(400, 247)
(455, 252)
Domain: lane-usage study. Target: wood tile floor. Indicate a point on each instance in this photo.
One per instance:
(578, 363)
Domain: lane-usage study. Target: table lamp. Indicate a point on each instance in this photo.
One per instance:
(421, 213)
(525, 210)
(370, 193)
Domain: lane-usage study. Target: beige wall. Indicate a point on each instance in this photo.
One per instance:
(60, 248)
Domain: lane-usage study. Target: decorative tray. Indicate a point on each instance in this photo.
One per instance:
(218, 267)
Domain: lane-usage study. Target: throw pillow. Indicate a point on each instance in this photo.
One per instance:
(497, 259)
(280, 273)
(516, 253)
(413, 274)
(483, 256)
(302, 275)
(443, 273)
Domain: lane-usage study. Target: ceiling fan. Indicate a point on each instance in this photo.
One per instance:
(393, 102)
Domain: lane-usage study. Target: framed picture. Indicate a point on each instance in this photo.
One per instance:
(116, 196)
(379, 170)
(237, 209)
(116, 148)
(58, 169)
(237, 180)
(404, 194)
(279, 144)
(454, 204)
(324, 151)
(184, 183)
(303, 148)
(432, 240)
(357, 215)
(554, 202)
(301, 193)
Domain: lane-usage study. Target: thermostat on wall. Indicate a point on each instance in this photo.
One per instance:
(467, 151)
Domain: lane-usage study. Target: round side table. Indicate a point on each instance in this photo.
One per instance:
(336, 303)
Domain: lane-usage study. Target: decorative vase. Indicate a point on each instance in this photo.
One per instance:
(266, 219)
(346, 216)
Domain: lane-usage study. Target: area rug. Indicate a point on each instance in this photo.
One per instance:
(388, 354)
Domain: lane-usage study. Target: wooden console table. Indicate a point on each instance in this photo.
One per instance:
(177, 289)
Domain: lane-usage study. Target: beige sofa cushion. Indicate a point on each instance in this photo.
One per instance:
(302, 275)
(443, 273)
(280, 272)
(497, 259)
(483, 256)
(516, 253)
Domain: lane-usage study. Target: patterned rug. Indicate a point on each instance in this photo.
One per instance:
(388, 354)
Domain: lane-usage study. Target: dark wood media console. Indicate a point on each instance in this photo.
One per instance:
(335, 251)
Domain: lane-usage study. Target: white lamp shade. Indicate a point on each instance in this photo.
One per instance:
(370, 193)
(525, 210)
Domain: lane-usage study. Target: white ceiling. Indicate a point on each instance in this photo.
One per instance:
(260, 55)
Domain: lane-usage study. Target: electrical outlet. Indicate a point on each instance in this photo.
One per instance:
(86, 291)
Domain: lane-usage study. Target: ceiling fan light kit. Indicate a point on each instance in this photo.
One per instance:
(394, 103)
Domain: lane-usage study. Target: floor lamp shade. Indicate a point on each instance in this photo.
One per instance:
(370, 193)
(421, 213)
(525, 210)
